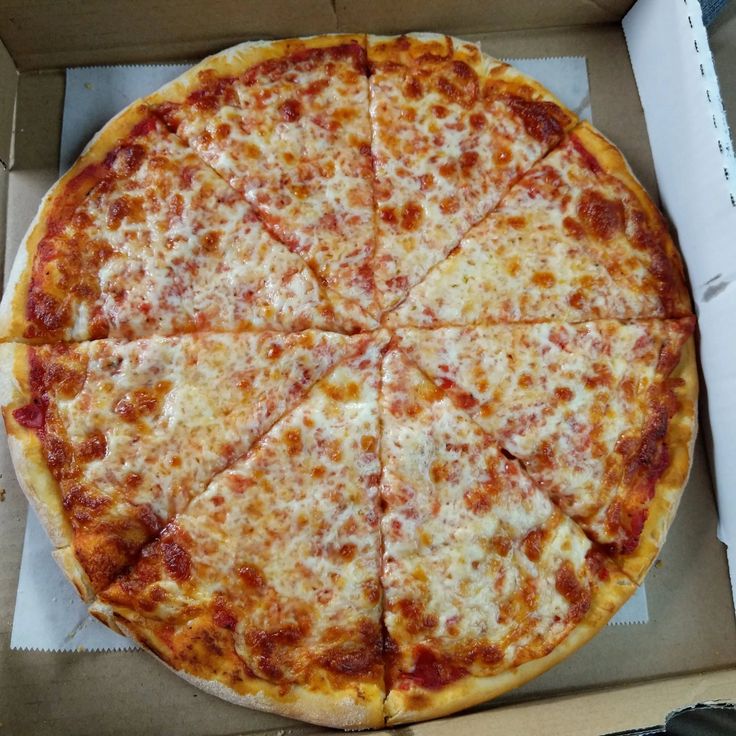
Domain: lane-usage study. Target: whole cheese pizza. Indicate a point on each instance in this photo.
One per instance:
(353, 377)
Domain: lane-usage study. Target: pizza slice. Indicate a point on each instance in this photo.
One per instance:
(286, 123)
(452, 130)
(266, 589)
(602, 415)
(486, 583)
(111, 439)
(577, 238)
(141, 238)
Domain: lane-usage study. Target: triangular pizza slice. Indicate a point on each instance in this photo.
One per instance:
(266, 590)
(486, 583)
(452, 130)
(286, 123)
(142, 238)
(601, 414)
(111, 439)
(576, 238)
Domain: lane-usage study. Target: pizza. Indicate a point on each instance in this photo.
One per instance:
(574, 239)
(353, 377)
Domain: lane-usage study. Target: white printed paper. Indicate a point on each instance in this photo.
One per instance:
(696, 172)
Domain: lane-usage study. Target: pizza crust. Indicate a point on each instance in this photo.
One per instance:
(67, 192)
(13, 304)
(323, 709)
(471, 691)
(409, 49)
(513, 77)
(67, 561)
(35, 479)
(612, 161)
(336, 710)
(238, 59)
(39, 486)
(26, 452)
(680, 441)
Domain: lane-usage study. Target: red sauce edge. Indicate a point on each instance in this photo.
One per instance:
(43, 311)
(588, 158)
(432, 672)
(340, 51)
(32, 415)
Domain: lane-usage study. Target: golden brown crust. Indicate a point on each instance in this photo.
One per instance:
(26, 451)
(65, 195)
(38, 484)
(31, 469)
(520, 84)
(679, 440)
(613, 162)
(67, 560)
(413, 48)
(335, 710)
(14, 379)
(13, 304)
(470, 691)
(352, 708)
(238, 59)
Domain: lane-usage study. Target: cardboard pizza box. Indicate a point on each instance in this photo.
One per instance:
(628, 676)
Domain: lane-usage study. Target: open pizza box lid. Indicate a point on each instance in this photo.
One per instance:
(654, 92)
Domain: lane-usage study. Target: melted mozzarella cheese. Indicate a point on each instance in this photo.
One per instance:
(288, 537)
(441, 162)
(185, 252)
(532, 259)
(297, 146)
(205, 399)
(559, 397)
(457, 574)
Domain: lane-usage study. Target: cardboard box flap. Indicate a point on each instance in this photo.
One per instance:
(695, 167)
(470, 16)
(8, 90)
(47, 33)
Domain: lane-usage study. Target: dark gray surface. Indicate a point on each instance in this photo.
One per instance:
(703, 721)
(712, 9)
(700, 720)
